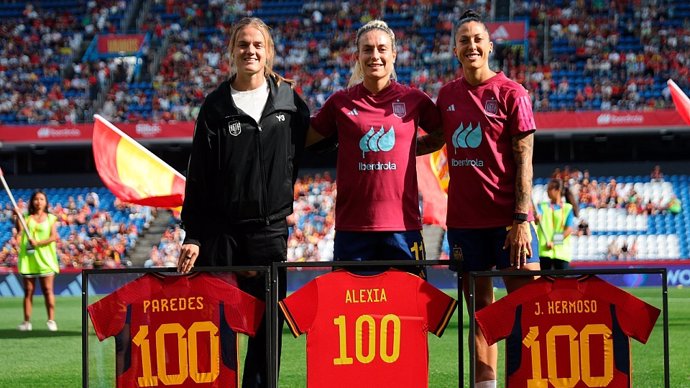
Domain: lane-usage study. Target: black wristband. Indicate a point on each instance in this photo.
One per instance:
(520, 217)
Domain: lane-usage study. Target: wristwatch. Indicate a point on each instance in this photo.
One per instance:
(520, 217)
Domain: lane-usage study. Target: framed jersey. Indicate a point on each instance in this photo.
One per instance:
(568, 332)
(367, 328)
(176, 330)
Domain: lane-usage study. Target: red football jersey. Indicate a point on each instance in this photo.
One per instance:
(376, 168)
(176, 330)
(367, 330)
(479, 123)
(568, 332)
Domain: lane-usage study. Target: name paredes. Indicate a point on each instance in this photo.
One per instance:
(366, 295)
(173, 304)
(378, 166)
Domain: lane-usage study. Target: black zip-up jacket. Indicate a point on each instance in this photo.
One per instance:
(241, 173)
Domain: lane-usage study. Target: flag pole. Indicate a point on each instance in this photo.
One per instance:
(20, 218)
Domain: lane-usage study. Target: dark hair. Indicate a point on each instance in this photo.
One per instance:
(562, 188)
(470, 16)
(32, 208)
(555, 184)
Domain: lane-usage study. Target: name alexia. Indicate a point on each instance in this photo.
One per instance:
(366, 295)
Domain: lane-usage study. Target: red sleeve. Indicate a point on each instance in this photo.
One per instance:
(323, 121)
(243, 311)
(636, 317)
(108, 314)
(429, 114)
(435, 306)
(300, 308)
(496, 320)
(520, 111)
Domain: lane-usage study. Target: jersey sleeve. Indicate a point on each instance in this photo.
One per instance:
(108, 315)
(496, 321)
(323, 121)
(435, 306)
(636, 317)
(243, 311)
(300, 308)
(520, 112)
(429, 114)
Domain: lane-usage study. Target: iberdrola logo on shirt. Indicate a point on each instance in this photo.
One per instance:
(377, 140)
(467, 136)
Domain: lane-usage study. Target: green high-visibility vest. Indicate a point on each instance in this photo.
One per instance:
(553, 222)
(42, 260)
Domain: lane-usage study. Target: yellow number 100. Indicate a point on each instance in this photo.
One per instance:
(184, 347)
(579, 352)
(366, 354)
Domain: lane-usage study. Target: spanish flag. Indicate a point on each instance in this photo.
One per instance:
(681, 100)
(133, 173)
(432, 177)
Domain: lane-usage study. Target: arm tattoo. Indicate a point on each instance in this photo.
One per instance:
(523, 146)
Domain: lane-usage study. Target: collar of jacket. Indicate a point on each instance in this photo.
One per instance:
(280, 98)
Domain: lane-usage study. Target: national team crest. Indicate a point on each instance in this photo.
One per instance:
(491, 106)
(234, 128)
(399, 109)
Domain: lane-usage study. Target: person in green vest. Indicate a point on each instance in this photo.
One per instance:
(674, 205)
(556, 224)
(38, 257)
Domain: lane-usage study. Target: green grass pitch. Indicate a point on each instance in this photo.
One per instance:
(46, 359)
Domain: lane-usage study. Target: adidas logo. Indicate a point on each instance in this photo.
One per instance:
(500, 33)
(353, 112)
(451, 108)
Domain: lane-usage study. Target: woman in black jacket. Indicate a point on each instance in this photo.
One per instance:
(248, 140)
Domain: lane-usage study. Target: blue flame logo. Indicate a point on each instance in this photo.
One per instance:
(377, 140)
(467, 137)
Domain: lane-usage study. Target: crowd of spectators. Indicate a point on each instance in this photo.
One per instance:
(590, 193)
(620, 249)
(311, 225)
(90, 236)
(96, 240)
(166, 252)
(42, 77)
(581, 55)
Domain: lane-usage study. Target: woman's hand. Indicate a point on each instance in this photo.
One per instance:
(519, 240)
(188, 256)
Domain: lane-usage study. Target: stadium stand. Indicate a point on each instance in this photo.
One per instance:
(651, 232)
(96, 229)
(582, 55)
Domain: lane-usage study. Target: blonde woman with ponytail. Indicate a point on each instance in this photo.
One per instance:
(376, 121)
(247, 144)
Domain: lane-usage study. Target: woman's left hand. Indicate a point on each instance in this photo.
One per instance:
(519, 240)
